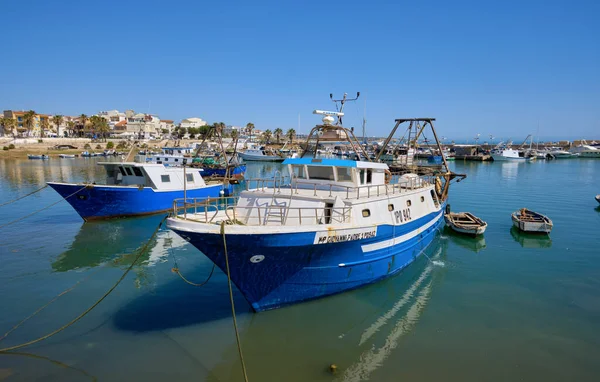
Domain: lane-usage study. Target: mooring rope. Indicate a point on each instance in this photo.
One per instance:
(175, 269)
(237, 334)
(40, 210)
(44, 337)
(22, 197)
(45, 306)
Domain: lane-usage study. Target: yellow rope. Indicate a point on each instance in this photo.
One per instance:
(24, 196)
(237, 334)
(45, 306)
(176, 270)
(142, 251)
(40, 210)
(58, 363)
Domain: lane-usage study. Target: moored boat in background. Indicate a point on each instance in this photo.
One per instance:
(42, 156)
(465, 222)
(531, 221)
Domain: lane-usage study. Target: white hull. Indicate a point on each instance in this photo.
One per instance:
(263, 158)
(500, 157)
(590, 154)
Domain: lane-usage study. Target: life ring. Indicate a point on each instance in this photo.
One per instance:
(438, 187)
(388, 176)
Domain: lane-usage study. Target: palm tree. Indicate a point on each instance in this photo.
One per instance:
(278, 132)
(249, 128)
(291, 133)
(71, 127)
(267, 136)
(82, 120)
(44, 125)
(235, 134)
(7, 124)
(57, 120)
(99, 125)
(28, 120)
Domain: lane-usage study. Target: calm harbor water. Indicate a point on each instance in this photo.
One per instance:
(507, 306)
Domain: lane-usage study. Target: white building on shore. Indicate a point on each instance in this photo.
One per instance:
(193, 122)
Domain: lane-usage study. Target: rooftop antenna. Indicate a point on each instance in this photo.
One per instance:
(342, 102)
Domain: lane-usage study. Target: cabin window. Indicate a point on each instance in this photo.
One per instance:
(361, 176)
(176, 160)
(165, 178)
(328, 212)
(422, 199)
(321, 173)
(122, 171)
(366, 213)
(390, 207)
(344, 174)
(298, 171)
(408, 203)
(128, 171)
(137, 172)
(189, 177)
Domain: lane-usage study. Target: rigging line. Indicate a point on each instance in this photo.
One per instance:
(237, 334)
(24, 196)
(40, 210)
(140, 254)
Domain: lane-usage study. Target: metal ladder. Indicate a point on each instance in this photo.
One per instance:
(279, 214)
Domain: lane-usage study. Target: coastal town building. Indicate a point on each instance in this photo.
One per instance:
(22, 129)
(143, 125)
(192, 122)
(113, 117)
(166, 124)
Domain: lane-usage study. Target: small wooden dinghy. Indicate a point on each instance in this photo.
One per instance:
(530, 221)
(465, 222)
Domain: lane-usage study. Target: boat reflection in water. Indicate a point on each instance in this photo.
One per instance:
(356, 330)
(472, 243)
(116, 243)
(530, 240)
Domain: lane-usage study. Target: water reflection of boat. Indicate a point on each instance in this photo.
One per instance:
(472, 243)
(529, 240)
(358, 331)
(99, 243)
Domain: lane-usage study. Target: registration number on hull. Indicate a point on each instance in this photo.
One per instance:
(344, 235)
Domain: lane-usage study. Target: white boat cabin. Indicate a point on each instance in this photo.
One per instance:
(171, 156)
(335, 172)
(156, 176)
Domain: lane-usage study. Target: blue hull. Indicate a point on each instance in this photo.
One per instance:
(102, 202)
(294, 269)
(209, 171)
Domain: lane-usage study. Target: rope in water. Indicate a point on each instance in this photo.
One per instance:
(22, 197)
(41, 209)
(237, 334)
(45, 306)
(44, 337)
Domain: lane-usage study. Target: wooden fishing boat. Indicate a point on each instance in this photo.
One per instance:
(530, 221)
(465, 222)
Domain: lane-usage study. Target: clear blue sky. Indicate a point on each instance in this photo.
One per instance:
(488, 67)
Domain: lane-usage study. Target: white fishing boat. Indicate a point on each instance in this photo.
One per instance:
(465, 222)
(260, 153)
(530, 221)
(585, 151)
(504, 152)
(334, 225)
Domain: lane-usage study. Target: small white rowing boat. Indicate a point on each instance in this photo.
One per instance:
(465, 222)
(66, 156)
(530, 221)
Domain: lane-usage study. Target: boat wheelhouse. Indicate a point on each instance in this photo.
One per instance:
(133, 189)
(330, 226)
(260, 153)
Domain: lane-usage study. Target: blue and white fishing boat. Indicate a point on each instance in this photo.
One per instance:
(134, 189)
(42, 156)
(336, 225)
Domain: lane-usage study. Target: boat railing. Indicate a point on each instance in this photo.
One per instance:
(396, 186)
(213, 210)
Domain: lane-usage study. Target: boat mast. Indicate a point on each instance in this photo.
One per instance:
(342, 102)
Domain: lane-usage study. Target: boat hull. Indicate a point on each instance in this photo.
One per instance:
(500, 157)
(531, 226)
(278, 269)
(102, 202)
(261, 158)
(220, 171)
